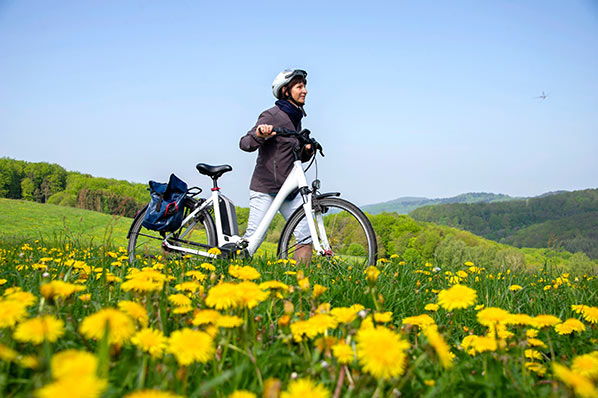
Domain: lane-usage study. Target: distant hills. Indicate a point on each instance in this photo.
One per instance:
(407, 204)
(560, 220)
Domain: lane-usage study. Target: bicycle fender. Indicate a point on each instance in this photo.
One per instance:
(327, 194)
(139, 213)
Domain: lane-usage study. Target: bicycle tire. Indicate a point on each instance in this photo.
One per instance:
(145, 243)
(349, 232)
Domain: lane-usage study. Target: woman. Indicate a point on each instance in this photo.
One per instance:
(275, 155)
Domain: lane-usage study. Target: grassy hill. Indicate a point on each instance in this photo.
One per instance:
(22, 220)
(407, 204)
(566, 220)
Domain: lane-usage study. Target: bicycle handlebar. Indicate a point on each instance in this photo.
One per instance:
(302, 136)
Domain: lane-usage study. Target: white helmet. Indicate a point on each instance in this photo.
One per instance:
(283, 78)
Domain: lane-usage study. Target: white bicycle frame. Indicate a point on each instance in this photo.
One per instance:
(295, 180)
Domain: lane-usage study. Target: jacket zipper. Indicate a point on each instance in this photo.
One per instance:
(275, 179)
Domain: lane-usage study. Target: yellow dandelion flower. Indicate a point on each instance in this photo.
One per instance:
(73, 364)
(457, 297)
(223, 296)
(7, 354)
(40, 329)
(284, 320)
(190, 346)
(323, 308)
(542, 321)
(179, 299)
(586, 365)
(590, 314)
(569, 326)
(208, 267)
(580, 384)
(59, 289)
(303, 284)
(246, 273)
(185, 309)
(531, 333)
(29, 362)
(151, 341)
(85, 297)
(120, 326)
(431, 307)
(303, 388)
(372, 274)
(514, 288)
(343, 352)
(381, 352)
(215, 251)
(197, 275)
(11, 312)
(85, 387)
(134, 310)
(578, 308)
(242, 394)
(532, 354)
(26, 298)
(315, 325)
(533, 342)
(442, 349)
(344, 314)
(318, 290)
(383, 317)
(229, 321)
(419, 320)
(274, 285)
(492, 315)
(536, 367)
(152, 394)
(520, 319)
(203, 317)
(190, 287)
(249, 294)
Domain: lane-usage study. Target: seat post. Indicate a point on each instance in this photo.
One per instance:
(215, 187)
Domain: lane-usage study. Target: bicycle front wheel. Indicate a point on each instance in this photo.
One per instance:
(198, 233)
(344, 231)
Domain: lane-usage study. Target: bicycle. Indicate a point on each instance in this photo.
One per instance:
(339, 230)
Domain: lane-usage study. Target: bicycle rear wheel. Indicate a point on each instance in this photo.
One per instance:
(349, 233)
(198, 234)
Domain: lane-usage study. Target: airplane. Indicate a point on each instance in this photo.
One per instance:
(543, 96)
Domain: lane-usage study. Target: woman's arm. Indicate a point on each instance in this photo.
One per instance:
(253, 139)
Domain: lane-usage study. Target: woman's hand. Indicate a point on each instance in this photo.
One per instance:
(264, 131)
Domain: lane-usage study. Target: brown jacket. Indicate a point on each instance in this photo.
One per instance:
(275, 154)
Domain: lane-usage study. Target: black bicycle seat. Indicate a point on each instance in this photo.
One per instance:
(213, 171)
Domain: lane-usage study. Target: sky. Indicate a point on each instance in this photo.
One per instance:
(408, 98)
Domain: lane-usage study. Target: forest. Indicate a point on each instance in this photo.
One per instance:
(564, 220)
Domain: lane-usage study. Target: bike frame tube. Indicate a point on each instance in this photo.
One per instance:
(296, 179)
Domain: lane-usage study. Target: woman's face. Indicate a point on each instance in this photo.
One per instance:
(298, 93)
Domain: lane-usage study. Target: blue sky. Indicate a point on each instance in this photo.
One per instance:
(413, 98)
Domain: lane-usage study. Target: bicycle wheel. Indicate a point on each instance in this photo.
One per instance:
(351, 238)
(197, 234)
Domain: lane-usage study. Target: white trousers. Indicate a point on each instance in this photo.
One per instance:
(260, 202)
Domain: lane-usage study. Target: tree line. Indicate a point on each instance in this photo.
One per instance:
(50, 183)
(566, 220)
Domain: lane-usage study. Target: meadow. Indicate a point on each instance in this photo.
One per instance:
(79, 321)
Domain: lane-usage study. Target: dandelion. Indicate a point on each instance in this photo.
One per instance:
(134, 310)
(344, 314)
(315, 325)
(343, 353)
(152, 394)
(431, 307)
(590, 314)
(533, 342)
(536, 367)
(580, 384)
(86, 387)
(7, 354)
(40, 329)
(151, 341)
(303, 388)
(214, 251)
(59, 289)
(440, 346)
(190, 346)
(11, 312)
(372, 274)
(29, 362)
(249, 294)
(208, 267)
(274, 285)
(542, 321)
(85, 297)
(381, 352)
(26, 298)
(457, 297)
(246, 273)
(203, 317)
(492, 315)
(197, 275)
(318, 290)
(303, 284)
(514, 288)
(383, 317)
(120, 326)
(145, 281)
(532, 354)
(222, 296)
(242, 394)
(190, 287)
(179, 299)
(229, 321)
(421, 321)
(569, 326)
(586, 365)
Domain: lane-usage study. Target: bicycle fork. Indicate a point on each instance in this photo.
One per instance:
(323, 248)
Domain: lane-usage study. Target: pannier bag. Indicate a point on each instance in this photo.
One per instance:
(165, 210)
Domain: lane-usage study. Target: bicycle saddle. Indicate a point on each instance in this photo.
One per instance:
(213, 171)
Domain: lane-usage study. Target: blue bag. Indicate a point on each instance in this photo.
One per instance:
(165, 210)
